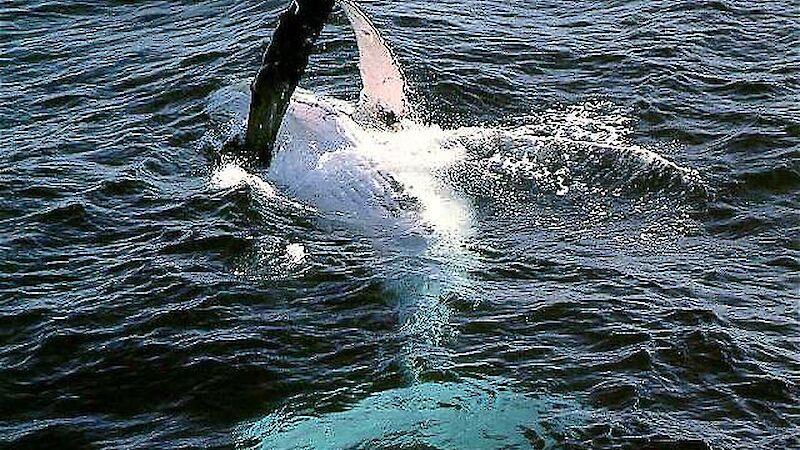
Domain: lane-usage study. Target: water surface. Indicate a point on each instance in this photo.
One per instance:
(626, 276)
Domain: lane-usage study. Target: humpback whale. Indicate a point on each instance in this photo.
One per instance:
(365, 168)
(362, 164)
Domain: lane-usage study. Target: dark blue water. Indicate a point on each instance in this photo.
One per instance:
(630, 279)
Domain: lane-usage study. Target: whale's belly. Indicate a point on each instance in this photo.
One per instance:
(320, 160)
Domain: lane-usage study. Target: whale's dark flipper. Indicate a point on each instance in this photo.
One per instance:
(284, 63)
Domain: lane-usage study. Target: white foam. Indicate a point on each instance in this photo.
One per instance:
(327, 159)
(231, 175)
(296, 253)
(415, 156)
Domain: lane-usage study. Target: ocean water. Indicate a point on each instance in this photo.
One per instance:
(589, 236)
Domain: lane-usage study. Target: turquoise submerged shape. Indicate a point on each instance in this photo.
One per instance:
(471, 414)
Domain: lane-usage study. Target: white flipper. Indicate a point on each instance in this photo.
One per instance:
(384, 85)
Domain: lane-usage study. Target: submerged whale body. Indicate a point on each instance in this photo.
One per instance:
(428, 415)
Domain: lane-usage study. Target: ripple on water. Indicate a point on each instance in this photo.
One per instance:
(629, 279)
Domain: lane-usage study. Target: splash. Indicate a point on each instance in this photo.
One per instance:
(231, 175)
(296, 253)
(579, 149)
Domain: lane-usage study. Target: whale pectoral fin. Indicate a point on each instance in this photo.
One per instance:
(283, 65)
(384, 86)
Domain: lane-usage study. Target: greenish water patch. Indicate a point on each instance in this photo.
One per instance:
(475, 414)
